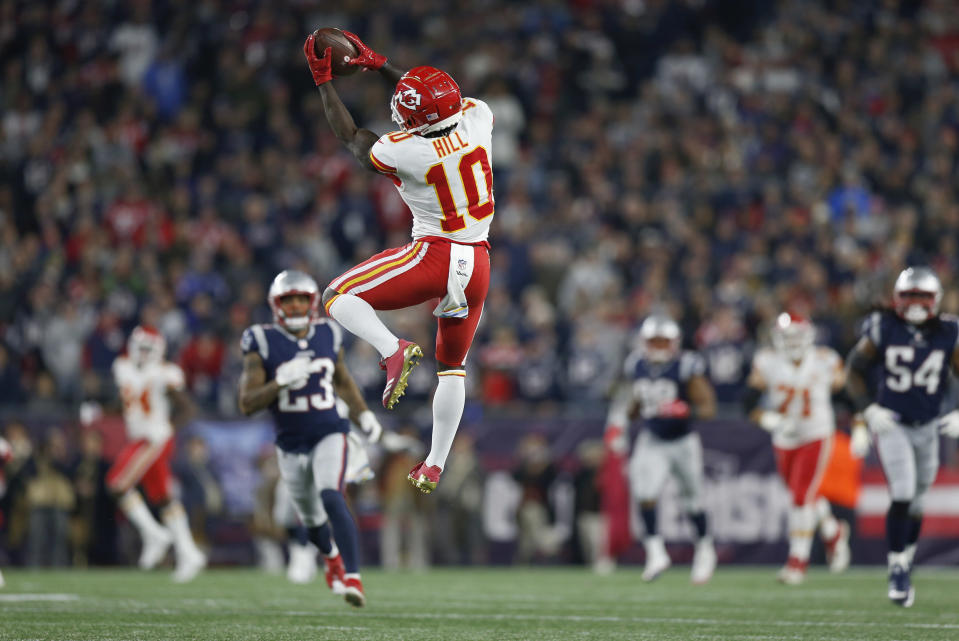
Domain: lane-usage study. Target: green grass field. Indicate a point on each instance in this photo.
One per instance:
(494, 604)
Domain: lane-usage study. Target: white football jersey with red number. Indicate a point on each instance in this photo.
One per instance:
(143, 390)
(447, 182)
(801, 392)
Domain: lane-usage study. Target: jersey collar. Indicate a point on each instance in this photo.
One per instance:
(309, 334)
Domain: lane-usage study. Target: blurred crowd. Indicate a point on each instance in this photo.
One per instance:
(723, 159)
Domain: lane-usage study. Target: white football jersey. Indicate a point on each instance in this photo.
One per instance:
(447, 182)
(801, 392)
(143, 390)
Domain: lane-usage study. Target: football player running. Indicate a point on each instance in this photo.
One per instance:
(798, 380)
(295, 368)
(439, 161)
(148, 385)
(669, 389)
(910, 349)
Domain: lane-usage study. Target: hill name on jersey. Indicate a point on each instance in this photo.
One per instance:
(447, 182)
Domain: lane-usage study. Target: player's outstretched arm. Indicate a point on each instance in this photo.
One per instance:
(347, 389)
(256, 393)
(358, 141)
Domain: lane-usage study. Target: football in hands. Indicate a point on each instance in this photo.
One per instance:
(342, 51)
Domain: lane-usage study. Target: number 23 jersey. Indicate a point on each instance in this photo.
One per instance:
(913, 363)
(303, 414)
(447, 182)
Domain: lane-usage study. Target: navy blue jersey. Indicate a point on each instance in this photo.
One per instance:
(914, 363)
(306, 414)
(655, 384)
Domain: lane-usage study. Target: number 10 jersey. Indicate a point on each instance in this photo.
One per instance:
(303, 414)
(447, 182)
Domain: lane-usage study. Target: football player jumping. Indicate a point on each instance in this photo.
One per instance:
(668, 387)
(910, 348)
(295, 367)
(798, 380)
(440, 161)
(147, 384)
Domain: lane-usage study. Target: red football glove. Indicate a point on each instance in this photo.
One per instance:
(321, 68)
(368, 59)
(674, 409)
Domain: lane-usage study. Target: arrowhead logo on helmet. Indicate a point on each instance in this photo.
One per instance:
(426, 100)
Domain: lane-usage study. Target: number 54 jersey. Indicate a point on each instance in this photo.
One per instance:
(913, 363)
(303, 414)
(447, 182)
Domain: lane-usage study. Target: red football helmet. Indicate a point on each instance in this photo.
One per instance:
(145, 345)
(426, 99)
(793, 335)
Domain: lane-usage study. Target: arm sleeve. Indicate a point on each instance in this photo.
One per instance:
(383, 157)
(691, 364)
(872, 328)
(254, 340)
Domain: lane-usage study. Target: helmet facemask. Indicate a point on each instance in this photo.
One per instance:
(917, 294)
(660, 339)
(294, 283)
(916, 307)
(793, 336)
(145, 346)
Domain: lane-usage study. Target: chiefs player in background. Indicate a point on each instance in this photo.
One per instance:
(440, 163)
(798, 380)
(148, 385)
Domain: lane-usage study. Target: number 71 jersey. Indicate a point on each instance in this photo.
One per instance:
(447, 182)
(913, 363)
(307, 413)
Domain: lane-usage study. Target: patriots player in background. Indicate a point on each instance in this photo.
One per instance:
(898, 374)
(668, 388)
(295, 367)
(148, 386)
(440, 161)
(798, 379)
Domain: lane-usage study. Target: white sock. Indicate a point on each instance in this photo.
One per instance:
(139, 514)
(910, 553)
(334, 551)
(174, 516)
(359, 318)
(448, 402)
(654, 545)
(802, 520)
(897, 558)
(828, 525)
